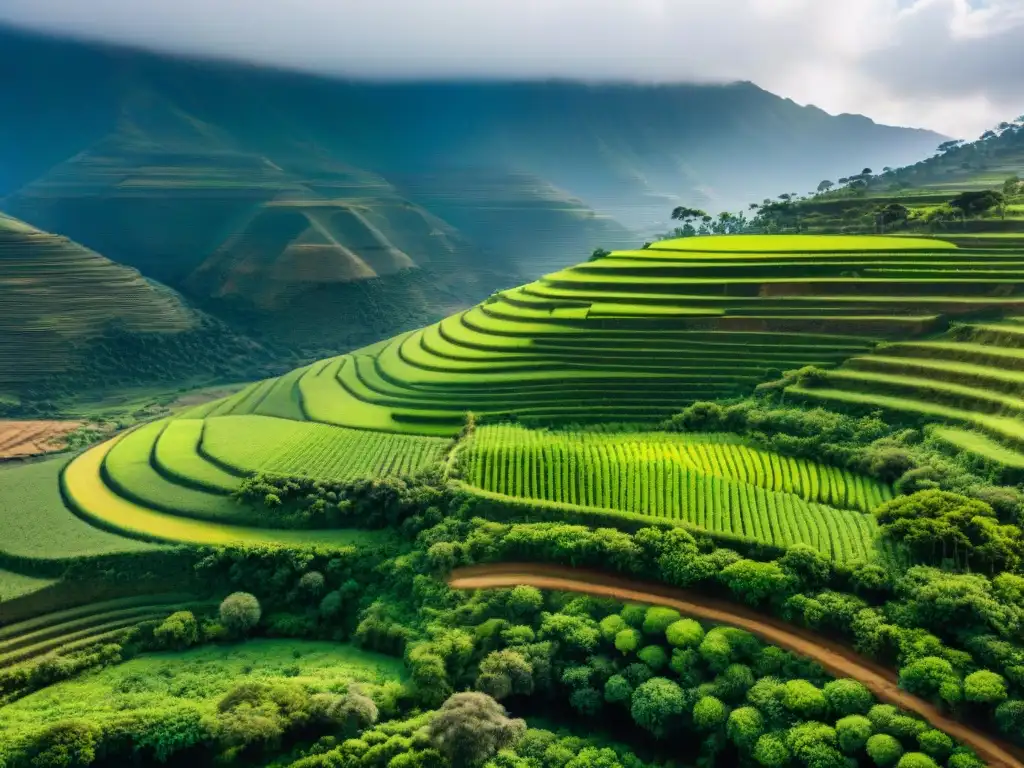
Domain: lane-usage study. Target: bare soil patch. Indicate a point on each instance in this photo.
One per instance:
(20, 439)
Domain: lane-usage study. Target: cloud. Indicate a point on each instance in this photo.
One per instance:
(952, 65)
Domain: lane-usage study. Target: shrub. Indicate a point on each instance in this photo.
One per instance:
(771, 751)
(627, 640)
(985, 687)
(611, 626)
(653, 656)
(847, 697)
(658, 619)
(884, 750)
(352, 713)
(179, 630)
(470, 728)
(634, 615)
(525, 600)
(656, 704)
(240, 613)
(66, 744)
(312, 583)
(709, 713)
(685, 633)
(853, 732)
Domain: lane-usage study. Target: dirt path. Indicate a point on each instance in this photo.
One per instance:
(835, 658)
(32, 438)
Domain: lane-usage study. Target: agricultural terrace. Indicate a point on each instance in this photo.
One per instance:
(636, 335)
(58, 294)
(628, 338)
(972, 378)
(713, 482)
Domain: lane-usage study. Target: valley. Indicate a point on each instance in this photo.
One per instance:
(387, 432)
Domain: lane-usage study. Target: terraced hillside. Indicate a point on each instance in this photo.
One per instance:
(632, 337)
(971, 378)
(638, 334)
(58, 295)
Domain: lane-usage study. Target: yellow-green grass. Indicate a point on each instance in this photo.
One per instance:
(638, 335)
(88, 629)
(712, 482)
(14, 585)
(516, 460)
(129, 471)
(793, 243)
(176, 456)
(192, 681)
(321, 451)
(37, 525)
(981, 445)
(96, 502)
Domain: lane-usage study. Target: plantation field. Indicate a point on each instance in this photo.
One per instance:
(95, 501)
(636, 335)
(712, 482)
(320, 451)
(193, 681)
(972, 378)
(37, 525)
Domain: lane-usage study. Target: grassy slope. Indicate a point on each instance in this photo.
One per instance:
(36, 524)
(194, 679)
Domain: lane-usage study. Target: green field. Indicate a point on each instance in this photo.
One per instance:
(629, 338)
(195, 679)
(14, 585)
(712, 482)
(36, 523)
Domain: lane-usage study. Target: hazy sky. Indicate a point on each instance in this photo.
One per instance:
(956, 66)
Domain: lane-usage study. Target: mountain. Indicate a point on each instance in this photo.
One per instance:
(282, 202)
(71, 319)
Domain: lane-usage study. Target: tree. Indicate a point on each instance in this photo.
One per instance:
(658, 619)
(804, 699)
(617, 690)
(825, 186)
(312, 583)
(653, 656)
(240, 613)
(985, 687)
(916, 760)
(627, 641)
(884, 750)
(847, 697)
(976, 203)
(505, 673)
(709, 713)
(599, 253)
(853, 732)
(524, 601)
(928, 677)
(352, 713)
(753, 581)
(685, 633)
(179, 630)
(745, 726)
(656, 704)
(935, 743)
(470, 728)
(611, 626)
(771, 751)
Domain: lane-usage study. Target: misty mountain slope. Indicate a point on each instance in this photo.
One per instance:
(264, 194)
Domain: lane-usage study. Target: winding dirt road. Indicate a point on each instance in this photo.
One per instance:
(837, 659)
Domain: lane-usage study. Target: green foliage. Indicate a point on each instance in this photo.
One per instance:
(771, 751)
(853, 732)
(472, 727)
(803, 699)
(178, 631)
(657, 704)
(68, 744)
(685, 633)
(709, 713)
(240, 612)
(755, 582)
(847, 697)
(627, 640)
(659, 619)
(745, 726)
(653, 656)
(985, 687)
